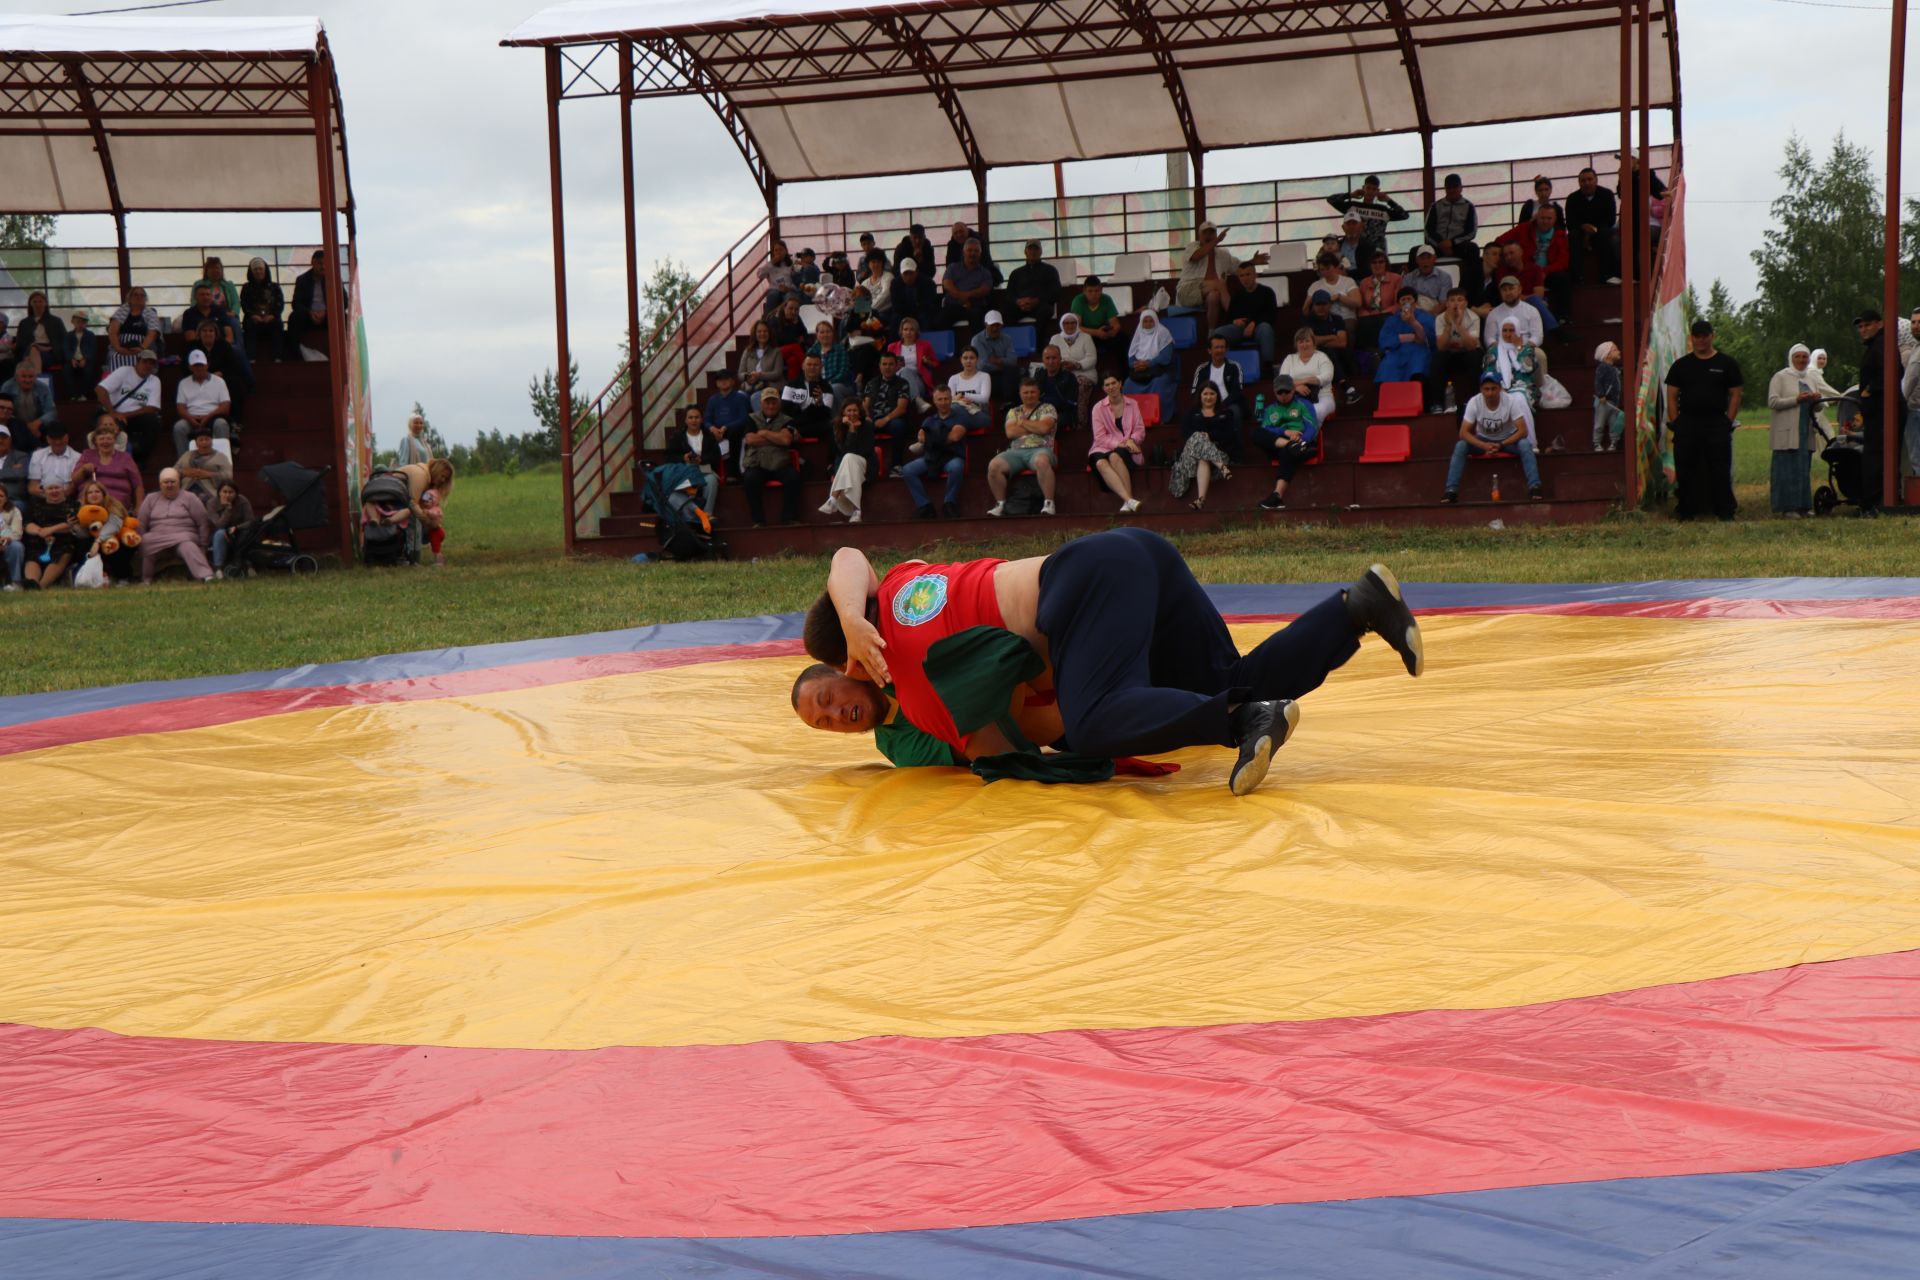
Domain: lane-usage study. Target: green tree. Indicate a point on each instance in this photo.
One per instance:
(1735, 332)
(661, 311)
(1820, 261)
(25, 230)
(661, 299)
(544, 394)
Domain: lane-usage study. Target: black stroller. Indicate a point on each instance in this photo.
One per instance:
(1843, 455)
(381, 542)
(273, 541)
(685, 531)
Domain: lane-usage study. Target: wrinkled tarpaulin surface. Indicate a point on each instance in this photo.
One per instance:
(1592, 953)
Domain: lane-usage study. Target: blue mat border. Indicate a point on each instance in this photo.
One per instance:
(1237, 598)
(1839, 1222)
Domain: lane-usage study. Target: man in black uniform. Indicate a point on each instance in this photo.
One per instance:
(1873, 408)
(1703, 402)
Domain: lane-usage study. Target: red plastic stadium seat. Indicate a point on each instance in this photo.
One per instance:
(1388, 442)
(1399, 400)
(1149, 406)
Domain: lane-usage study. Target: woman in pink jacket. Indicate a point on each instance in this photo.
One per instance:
(1119, 432)
(174, 520)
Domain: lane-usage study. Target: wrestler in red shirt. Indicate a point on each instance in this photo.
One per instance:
(1137, 653)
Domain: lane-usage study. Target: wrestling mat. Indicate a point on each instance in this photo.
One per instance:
(1593, 953)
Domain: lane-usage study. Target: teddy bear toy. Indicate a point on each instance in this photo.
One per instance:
(111, 531)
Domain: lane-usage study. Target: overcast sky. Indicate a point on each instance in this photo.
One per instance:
(447, 139)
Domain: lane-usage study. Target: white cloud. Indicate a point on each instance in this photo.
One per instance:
(447, 137)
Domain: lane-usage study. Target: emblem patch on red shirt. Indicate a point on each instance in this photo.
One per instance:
(921, 600)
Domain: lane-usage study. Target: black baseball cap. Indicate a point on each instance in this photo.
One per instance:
(1869, 316)
(1702, 328)
(1453, 180)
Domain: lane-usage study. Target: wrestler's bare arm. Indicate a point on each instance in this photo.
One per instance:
(851, 583)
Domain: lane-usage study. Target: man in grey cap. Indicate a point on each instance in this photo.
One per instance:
(1452, 224)
(131, 394)
(1205, 272)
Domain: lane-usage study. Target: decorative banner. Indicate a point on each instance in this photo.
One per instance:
(359, 406)
(1666, 342)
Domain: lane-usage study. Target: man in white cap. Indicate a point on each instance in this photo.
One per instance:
(994, 346)
(202, 399)
(1428, 282)
(913, 296)
(131, 394)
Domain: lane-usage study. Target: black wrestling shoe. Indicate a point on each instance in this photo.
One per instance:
(1261, 728)
(1375, 605)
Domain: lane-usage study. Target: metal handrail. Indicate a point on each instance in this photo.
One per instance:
(76, 277)
(680, 347)
(1093, 230)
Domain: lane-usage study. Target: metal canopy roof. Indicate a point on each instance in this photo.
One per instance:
(861, 90)
(121, 114)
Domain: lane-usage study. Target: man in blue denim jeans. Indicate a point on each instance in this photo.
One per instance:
(1494, 421)
(943, 451)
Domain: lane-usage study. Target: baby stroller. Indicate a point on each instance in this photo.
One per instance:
(1842, 454)
(380, 542)
(273, 541)
(685, 531)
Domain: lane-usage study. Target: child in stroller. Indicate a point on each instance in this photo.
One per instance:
(1841, 451)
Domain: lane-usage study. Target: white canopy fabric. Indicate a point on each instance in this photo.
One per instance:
(112, 114)
(861, 89)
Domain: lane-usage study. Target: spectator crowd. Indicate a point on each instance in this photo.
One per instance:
(75, 504)
(914, 354)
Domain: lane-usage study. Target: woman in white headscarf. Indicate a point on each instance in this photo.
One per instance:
(1512, 357)
(1793, 400)
(1150, 361)
(1817, 378)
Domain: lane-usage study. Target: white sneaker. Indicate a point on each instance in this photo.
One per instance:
(1613, 279)
(854, 518)
(11, 586)
(1130, 506)
(997, 509)
(829, 508)
(1046, 508)
(219, 574)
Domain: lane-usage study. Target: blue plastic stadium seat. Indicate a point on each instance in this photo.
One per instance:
(941, 340)
(1025, 340)
(1185, 330)
(1249, 362)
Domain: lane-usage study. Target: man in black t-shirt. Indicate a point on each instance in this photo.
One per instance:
(1703, 401)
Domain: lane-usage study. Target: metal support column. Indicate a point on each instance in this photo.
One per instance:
(1644, 213)
(1629, 288)
(320, 102)
(1894, 409)
(1428, 192)
(563, 381)
(633, 234)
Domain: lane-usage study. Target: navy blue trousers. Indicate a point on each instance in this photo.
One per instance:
(1142, 661)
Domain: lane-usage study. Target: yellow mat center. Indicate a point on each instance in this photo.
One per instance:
(1560, 807)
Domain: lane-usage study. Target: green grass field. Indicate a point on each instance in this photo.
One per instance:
(509, 581)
